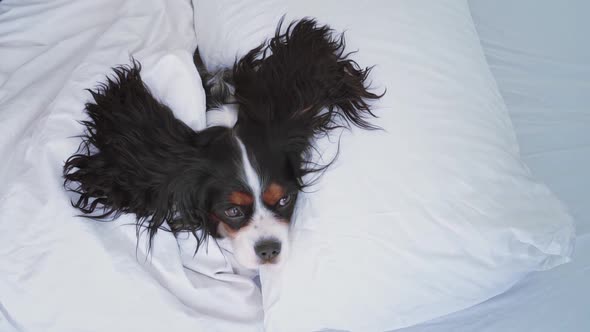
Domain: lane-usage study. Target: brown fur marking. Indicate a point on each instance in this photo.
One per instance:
(241, 198)
(273, 193)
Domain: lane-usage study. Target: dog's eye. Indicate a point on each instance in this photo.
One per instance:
(285, 200)
(234, 212)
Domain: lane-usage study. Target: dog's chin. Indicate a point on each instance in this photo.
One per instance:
(254, 264)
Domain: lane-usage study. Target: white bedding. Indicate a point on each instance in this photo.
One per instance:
(51, 51)
(539, 54)
(62, 273)
(551, 301)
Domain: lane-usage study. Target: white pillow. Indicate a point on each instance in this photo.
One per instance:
(433, 215)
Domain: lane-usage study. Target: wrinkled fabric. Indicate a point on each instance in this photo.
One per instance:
(62, 273)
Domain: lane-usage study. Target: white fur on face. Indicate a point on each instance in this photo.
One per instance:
(264, 225)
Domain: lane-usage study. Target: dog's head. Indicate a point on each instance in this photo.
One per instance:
(240, 183)
(298, 85)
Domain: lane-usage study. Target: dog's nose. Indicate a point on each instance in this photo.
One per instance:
(266, 250)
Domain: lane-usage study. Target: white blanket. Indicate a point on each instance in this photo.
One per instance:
(62, 273)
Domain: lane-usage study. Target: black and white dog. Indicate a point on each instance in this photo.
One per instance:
(241, 182)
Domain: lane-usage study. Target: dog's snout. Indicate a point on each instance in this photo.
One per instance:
(266, 250)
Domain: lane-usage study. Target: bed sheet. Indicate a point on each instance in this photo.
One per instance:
(553, 301)
(540, 58)
(62, 273)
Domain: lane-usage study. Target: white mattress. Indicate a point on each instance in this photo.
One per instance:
(539, 54)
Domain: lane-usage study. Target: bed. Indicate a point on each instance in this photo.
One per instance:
(542, 72)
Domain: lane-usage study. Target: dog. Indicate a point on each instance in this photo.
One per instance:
(239, 182)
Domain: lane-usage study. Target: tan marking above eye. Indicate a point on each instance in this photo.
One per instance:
(241, 198)
(273, 193)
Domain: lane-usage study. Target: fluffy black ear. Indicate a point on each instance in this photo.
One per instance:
(300, 73)
(300, 84)
(136, 157)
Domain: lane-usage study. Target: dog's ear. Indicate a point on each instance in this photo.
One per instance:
(300, 84)
(136, 157)
(304, 75)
